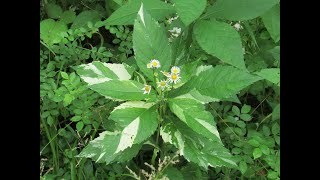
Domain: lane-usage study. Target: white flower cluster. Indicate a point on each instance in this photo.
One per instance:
(175, 32)
(237, 26)
(169, 21)
(172, 77)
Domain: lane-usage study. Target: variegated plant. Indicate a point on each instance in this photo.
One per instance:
(162, 101)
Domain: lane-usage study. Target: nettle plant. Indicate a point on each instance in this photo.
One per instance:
(164, 103)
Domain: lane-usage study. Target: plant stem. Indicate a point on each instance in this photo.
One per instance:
(51, 145)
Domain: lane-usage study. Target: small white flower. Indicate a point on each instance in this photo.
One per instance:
(146, 89)
(237, 26)
(149, 65)
(174, 78)
(172, 19)
(175, 70)
(155, 63)
(165, 73)
(162, 84)
(175, 30)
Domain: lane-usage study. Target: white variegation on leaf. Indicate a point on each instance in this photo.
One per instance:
(137, 121)
(150, 42)
(193, 114)
(195, 147)
(104, 149)
(98, 72)
(112, 81)
(211, 84)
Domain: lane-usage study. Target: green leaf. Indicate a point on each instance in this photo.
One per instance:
(275, 129)
(84, 17)
(150, 42)
(64, 75)
(243, 167)
(275, 53)
(276, 113)
(68, 98)
(50, 31)
(264, 149)
(122, 90)
(172, 173)
(272, 175)
(193, 114)
(194, 147)
(236, 110)
(76, 118)
(112, 81)
(271, 19)
(54, 11)
(79, 125)
(245, 109)
(68, 17)
(257, 153)
(241, 124)
(270, 74)
(254, 143)
(127, 13)
(266, 130)
(245, 117)
(104, 149)
(220, 40)
(216, 83)
(139, 120)
(189, 10)
(239, 10)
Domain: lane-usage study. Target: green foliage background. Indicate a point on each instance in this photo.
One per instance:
(230, 78)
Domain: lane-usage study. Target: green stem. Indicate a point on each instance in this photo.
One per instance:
(51, 145)
(269, 115)
(47, 47)
(101, 38)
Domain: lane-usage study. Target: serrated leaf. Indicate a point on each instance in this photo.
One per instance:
(216, 83)
(84, 17)
(139, 120)
(50, 31)
(54, 11)
(127, 13)
(98, 72)
(239, 10)
(194, 147)
(189, 10)
(150, 42)
(193, 114)
(112, 81)
(257, 153)
(220, 40)
(270, 74)
(68, 17)
(104, 149)
(122, 90)
(271, 19)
